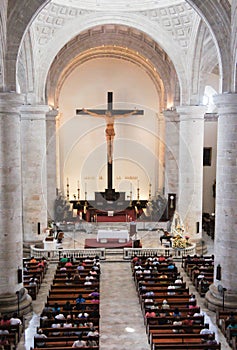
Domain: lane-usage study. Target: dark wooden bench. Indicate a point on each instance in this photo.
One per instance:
(222, 315)
(187, 346)
(62, 346)
(60, 341)
(154, 322)
(175, 339)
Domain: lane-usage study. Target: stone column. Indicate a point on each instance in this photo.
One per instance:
(225, 247)
(34, 184)
(171, 152)
(51, 161)
(161, 154)
(191, 169)
(11, 206)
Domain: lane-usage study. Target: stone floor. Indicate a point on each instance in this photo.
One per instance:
(121, 325)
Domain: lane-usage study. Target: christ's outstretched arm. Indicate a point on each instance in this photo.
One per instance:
(93, 114)
(125, 115)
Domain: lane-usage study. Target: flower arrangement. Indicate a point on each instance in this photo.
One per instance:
(179, 242)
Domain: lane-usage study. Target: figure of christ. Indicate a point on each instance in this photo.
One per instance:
(109, 131)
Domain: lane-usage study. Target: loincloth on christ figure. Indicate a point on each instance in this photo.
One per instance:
(109, 131)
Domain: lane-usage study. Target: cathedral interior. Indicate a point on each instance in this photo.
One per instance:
(165, 71)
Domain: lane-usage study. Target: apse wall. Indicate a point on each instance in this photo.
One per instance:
(83, 156)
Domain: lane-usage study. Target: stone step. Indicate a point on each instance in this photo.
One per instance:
(114, 255)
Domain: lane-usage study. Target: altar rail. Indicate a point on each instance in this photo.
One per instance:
(128, 253)
(56, 254)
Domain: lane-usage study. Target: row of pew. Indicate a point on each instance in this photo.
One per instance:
(200, 269)
(227, 322)
(9, 341)
(34, 270)
(171, 317)
(72, 308)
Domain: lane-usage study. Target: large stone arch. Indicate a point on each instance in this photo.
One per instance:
(141, 25)
(212, 12)
(215, 13)
(205, 62)
(234, 42)
(3, 34)
(152, 59)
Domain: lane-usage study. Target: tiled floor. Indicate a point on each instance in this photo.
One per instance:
(121, 325)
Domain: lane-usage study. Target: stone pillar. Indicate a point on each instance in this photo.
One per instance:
(225, 247)
(51, 161)
(34, 184)
(161, 155)
(171, 152)
(11, 207)
(191, 169)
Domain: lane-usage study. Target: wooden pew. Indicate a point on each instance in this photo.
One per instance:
(12, 338)
(175, 339)
(64, 330)
(222, 315)
(61, 291)
(154, 322)
(62, 346)
(60, 341)
(187, 346)
(47, 323)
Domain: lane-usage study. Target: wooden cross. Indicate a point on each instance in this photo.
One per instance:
(109, 115)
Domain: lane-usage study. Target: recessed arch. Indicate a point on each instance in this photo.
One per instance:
(57, 75)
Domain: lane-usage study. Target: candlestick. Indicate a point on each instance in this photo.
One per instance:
(85, 191)
(138, 196)
(149, 191)
(78, 190)
(67, 189)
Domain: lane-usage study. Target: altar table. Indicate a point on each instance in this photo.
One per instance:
(104, 235)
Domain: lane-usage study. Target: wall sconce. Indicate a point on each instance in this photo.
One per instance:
(171, 201)
(218, 272)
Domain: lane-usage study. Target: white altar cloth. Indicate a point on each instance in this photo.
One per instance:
(104, 235)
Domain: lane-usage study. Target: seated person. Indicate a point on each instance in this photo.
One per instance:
(79, 343)
(56, 308)
(67, 306)
(91, 341)
(165, 305)
(3, 341)
(39, 339)
(206, 329)
(233, 325)
(15, 320)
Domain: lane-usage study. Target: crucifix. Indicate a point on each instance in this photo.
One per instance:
(109, 116)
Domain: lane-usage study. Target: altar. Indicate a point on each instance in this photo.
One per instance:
(104, 235)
